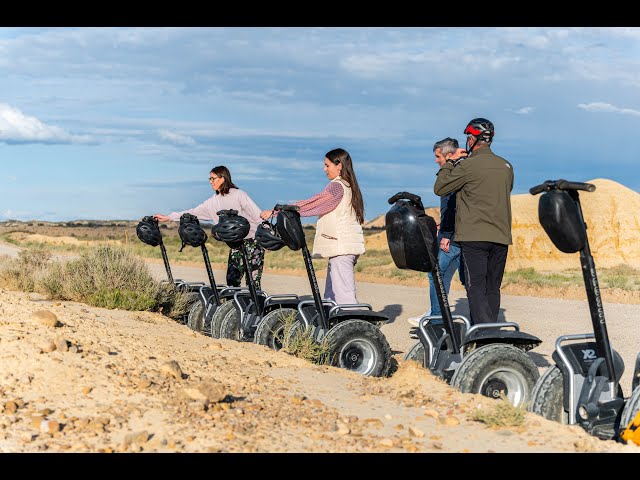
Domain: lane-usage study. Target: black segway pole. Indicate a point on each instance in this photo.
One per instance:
(595, 300)
(212, 281)
(166, 261)
(443, 301)
(250, 283)
(315, 290)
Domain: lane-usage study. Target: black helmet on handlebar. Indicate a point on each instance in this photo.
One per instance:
(267, 236)
(148, 231)
(190, 231)
(231, 228)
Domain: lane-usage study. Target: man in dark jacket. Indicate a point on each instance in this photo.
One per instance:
(483, 183)
(449, 259)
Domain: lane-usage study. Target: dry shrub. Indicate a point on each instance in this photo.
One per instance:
(23, 273)
(107, 276)
(298, 340)
(502, 414)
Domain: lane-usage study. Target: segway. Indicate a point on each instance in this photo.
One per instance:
(271, 329)
(209, 297)
(148, 232)
(239, 319)
(352, 331)
(489, 358)
(583, 386)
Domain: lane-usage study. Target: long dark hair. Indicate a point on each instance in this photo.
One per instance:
(227, 185)
(339, 155)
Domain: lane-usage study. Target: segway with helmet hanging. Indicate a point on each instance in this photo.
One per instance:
(241, 317)
(209, 297)
(489, 358)
(352, 331)
(583, 386)
(271, 329)
(148, 232)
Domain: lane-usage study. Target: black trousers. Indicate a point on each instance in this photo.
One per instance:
(484, 264)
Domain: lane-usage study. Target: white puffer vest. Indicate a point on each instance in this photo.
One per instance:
(338, 232)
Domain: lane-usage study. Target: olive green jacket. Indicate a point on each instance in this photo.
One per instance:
(483, 182)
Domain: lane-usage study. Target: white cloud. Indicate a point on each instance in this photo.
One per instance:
(524, 110)
(176, 138)
(16, 127)
(607, 107)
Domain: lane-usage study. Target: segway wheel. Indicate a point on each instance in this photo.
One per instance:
(417, 354)
(359, 346)
(230, 325)
(190, 299)
(271, 329)
(631, 409)
(547, 398)
(495, 370)
(195, 319)
(218, 316)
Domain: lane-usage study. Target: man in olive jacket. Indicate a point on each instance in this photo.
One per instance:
(483, 217)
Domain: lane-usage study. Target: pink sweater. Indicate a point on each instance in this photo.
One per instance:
(236, 199)
(323, 202)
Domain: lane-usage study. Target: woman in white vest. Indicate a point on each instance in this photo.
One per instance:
(339, 236)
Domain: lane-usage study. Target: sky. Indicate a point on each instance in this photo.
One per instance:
(111, 123)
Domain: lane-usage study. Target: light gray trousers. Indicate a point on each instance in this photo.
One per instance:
(341, 282)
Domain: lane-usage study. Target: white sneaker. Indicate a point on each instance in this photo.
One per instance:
(415, 321)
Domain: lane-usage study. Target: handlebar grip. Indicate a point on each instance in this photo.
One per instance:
(538, 188)
(567, 185)
(150, 219)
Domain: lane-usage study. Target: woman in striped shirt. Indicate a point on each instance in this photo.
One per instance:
(339, 236)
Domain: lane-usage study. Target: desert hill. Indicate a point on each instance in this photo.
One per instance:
(613, 224)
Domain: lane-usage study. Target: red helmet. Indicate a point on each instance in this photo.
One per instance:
(481, 128)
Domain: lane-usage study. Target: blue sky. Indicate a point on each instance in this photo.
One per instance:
(118, 123)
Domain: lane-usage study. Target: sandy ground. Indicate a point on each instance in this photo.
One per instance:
(84, 379)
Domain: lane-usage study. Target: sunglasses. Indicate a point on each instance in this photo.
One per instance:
(213, 179)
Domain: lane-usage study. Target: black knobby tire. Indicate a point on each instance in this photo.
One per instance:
(547, 398)
(230, 325)
(631, 409)
(417, 353)
(218, 316)
(495, 369)
(271, 329)
(359, 346)
(195, 319)
(191, 299)
(206, 328)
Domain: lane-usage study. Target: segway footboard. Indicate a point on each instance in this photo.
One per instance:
(360, 311)
(499, 332)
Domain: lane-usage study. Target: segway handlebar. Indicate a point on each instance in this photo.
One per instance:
(409, 196)
(561, 185)
(227, 212)
(149, 219)
(282, 207)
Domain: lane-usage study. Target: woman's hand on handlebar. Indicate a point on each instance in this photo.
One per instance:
(266, 214)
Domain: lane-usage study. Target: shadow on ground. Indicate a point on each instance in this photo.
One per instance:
(392, 311)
